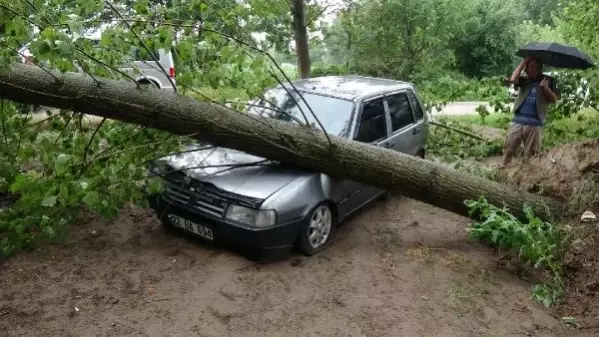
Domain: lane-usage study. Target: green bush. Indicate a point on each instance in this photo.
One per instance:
(330, 70)
(53, 172)
(539, 244)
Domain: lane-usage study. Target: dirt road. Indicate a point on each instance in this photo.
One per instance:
(401, 268)
(460, 108)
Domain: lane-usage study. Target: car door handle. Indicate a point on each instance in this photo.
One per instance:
(388, 144)
(415, 131)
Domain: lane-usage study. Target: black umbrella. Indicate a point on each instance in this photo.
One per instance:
(557, 55)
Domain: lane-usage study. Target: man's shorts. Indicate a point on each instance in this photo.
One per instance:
(518, 134)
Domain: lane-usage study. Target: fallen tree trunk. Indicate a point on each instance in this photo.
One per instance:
(308, 148)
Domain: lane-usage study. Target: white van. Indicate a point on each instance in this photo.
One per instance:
(144, 70)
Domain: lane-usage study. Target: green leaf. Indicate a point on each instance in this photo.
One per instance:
(64, 195)
(20, 229)
(16, 28)
(91, 199)
(19, 183)
(41, 48)
(547, 301)
(75, 24)
(65, 48)
(494, 236)
(141, 7)
(49, 231)
(60, 165)
(50, 201)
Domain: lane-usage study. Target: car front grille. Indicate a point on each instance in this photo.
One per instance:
(203, 196)
(205, 202)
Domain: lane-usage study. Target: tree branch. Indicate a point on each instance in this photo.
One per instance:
(324, 9)
(465, 133)
(91, 139)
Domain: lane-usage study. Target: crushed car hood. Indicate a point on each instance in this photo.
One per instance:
(234, 171)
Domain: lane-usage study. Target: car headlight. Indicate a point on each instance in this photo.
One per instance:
(157, 168)
(251, 217)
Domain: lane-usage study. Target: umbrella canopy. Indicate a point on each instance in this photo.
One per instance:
(557, 55)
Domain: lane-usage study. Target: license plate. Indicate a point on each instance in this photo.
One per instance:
(193, 227)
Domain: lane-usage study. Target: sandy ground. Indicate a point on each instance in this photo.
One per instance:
(400, 268)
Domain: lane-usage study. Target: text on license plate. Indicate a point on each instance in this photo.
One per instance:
(193, 227)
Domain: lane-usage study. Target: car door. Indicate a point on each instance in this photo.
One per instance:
(372, 128)
(403, 127)
(420, 131)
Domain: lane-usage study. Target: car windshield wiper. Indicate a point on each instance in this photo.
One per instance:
(232, 166)
(278, 113)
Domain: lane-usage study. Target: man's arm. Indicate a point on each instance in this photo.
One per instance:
(515, 78)
(548, 89)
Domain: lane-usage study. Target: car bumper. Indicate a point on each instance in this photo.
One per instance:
(269, 244)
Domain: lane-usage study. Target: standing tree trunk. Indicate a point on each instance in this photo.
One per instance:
(307, 148)
(301, 38)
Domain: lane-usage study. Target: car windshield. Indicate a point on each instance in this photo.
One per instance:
(333, 113)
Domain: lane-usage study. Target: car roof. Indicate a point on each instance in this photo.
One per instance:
(349, 87)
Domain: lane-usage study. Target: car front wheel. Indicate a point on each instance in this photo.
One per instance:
(319, 230)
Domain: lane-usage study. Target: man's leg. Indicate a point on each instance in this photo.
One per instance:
(532, 141)
(513, 139)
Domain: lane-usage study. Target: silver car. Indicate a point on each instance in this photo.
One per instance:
(269, 208)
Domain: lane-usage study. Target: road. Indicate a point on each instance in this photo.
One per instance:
(461, 108)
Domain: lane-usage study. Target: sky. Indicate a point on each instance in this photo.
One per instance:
(327, 18)
(335, 6)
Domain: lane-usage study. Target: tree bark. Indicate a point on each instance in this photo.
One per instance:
(304, 147)
(301, 38)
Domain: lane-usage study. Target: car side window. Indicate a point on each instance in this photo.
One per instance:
(372, 125)
(418, 113)
(400, 111)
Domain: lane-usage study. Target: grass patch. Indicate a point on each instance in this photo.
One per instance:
(496, 120)
(464, 294)
(451, 146)
(581, 126)
(460, 295)
(461, 152)
(424, 254)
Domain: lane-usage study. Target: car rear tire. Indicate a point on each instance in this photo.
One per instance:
(319, 230)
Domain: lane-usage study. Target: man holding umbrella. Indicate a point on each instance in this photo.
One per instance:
(537, 92)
